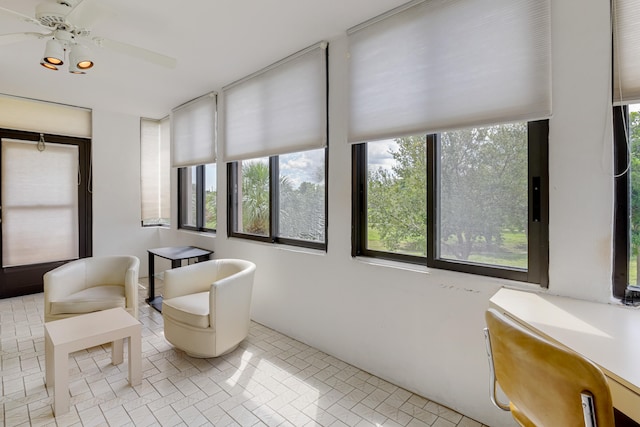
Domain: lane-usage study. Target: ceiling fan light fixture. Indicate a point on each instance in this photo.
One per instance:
(73, 69)
(80, 57)
(48, 66)
(54, 53)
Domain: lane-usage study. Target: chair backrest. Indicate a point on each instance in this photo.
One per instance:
(544, 382)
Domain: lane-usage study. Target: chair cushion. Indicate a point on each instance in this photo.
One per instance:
(192, 309)
(91, 299)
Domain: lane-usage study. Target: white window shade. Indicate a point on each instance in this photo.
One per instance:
(626, 48)
(445, 64)
(39, 210)
(193, 132)
(155, 171)
(278, 110)
(44, 117)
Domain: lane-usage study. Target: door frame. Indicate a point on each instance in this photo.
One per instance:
(27, 279)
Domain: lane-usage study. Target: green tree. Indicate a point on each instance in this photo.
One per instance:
(397, 201)
(211, 213)
(302, 211)
(634, 221)
(483, 187)
(482, 192)
(255, 198)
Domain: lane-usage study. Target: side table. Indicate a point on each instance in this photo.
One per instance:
(65, 336)
(175, 254)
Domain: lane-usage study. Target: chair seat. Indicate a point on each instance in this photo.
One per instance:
(91, 299)
(192, 309)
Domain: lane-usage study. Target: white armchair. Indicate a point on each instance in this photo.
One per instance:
(91, 284)
(206, 306)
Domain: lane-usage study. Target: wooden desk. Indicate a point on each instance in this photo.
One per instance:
(606, 334)
(175, 254)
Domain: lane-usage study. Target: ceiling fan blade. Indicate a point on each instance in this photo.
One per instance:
(19, 15)
(137, 52)
(86, 13)
(19, 37)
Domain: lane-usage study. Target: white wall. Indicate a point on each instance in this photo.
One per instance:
(116, 188)
(416, 327)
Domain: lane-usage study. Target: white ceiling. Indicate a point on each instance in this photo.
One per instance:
(215, 43)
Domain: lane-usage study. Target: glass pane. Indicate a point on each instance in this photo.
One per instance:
(634, 220)
(210, 193)
(189, 196)
(253, 197)
(396, 196)
(302, 195)
(483, 205)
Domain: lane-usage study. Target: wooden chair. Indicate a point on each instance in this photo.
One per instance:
(547, 385)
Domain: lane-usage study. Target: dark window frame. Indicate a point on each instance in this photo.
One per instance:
(622, 206)
(183, 180)
(538, 213)
(274, 206)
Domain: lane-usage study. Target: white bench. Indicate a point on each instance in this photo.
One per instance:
(65, 336)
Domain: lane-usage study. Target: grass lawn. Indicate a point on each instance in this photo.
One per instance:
(511, 253)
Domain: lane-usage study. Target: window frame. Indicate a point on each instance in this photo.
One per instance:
(622, 205)
(538, 213)
(183, 180)
(274, 206)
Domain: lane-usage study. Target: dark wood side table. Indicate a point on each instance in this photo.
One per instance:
(175, 254)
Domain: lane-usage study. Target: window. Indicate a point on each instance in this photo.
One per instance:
(193, 138)
(197, 192)
(280, 199)
(472, 200)
(276, 147)
(155, 180)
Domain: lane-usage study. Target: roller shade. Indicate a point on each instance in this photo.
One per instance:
(626, 51)
(39, 210)
(193, 132)
(438, 65)
(155, 171)
(44, 117)
(280, 109)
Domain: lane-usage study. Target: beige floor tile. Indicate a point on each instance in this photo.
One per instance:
(269, 380)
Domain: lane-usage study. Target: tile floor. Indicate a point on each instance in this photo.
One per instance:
(269, 380)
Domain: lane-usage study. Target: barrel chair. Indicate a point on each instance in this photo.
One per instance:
(91, 284)
(207, 306)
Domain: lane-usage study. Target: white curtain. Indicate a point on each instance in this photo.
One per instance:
(39, 203)
(280, 109)
(193, 132)
(438, 65)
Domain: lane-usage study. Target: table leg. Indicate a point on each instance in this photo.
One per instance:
(48, 358)
(117, 350)
(203, 258)
(152, 283)
(135, 358)
(61, 375)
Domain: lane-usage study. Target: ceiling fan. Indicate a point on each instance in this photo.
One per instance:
(66, 23)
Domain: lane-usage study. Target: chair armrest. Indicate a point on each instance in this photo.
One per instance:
(64, 280)
(131, 281)
(230, 301)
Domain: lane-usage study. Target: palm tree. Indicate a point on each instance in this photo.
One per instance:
(255, 197)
